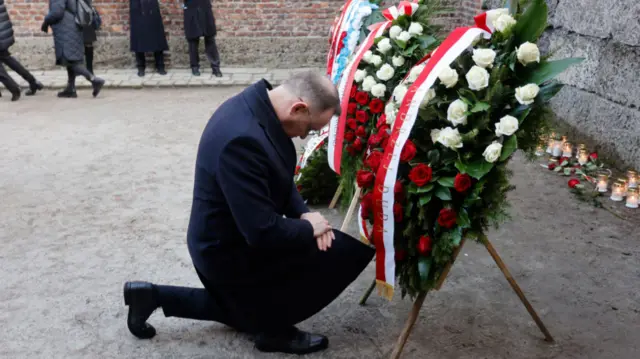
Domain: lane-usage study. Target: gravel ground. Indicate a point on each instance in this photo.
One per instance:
(96, 192)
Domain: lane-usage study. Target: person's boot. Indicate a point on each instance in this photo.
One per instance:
(216, 72)
(141, 71)
(195, 71)
(68, 92)
(292, 341)
(97, 84)
(33, 88)
(15, 95)
(140, 298)
(161, 70)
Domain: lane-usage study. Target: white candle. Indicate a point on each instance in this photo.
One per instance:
(581, 147)
(603, 183)
(539, 151)
(583, 157)
(567, 150)
(632, 198)
(557, 149)
(632, 177)
(616, 192)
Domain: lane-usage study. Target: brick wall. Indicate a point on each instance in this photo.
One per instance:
(250, 32)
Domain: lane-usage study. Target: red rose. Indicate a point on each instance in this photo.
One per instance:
(374, 140)
(362, 116)
(352, 124)
(447, 218)
(357, 144)
(400, 255)
(573, 183)
(349, 136)
(297, 170)
(362, 98)
(382, 121)
(397, 212)
(351, 108)
(376, 106)
(351, 150)
(552, 166)
(384, 142)
(593, 156)
(366, 203)
(373, 161)
(462, 182)
(384, 131)
(354, 90)
(398, 190)
(361, 131)
(424, 245)
(364, 179)
(420, 174)
(408, 152)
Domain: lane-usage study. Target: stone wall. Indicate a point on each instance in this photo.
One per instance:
(601, 100)
(262, 33)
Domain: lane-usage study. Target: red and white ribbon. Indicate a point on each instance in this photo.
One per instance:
(335, 36)
(337, 124)
(485, 20)
(383, 195)
(313, 144)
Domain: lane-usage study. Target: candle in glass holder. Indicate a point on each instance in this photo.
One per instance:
(564, 139)
(583, 156)
(623, 184)
(550, 143)
(539, 150)
(632, 198)
(632, 177)
(603, 183)
(557, 149)
(567, 149)
(616, 192)
(581, 147)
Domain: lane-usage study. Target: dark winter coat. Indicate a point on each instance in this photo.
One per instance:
(147, 29)
(67, 35)
(88, 32)
(6, 29)
(198, 19)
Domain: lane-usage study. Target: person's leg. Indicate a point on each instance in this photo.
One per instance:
(9, 83)
(96, 82)
(70, 90)
(194, 57)
(141, 63)
(15, 65)
(159, 57)
(88, 56)
(211, 49)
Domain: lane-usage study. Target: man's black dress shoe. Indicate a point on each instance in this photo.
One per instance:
(216, 72)
(142, 303)
(195, 71)
(33, 88)
(293, 342)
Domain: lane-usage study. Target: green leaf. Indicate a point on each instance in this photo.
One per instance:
(567, 171)
(425, 188)
(412, 188)
(509, 147)
(548, 90)
(426, 41)
(446, 181)
(512, 5)
(456, 236)
(557, 169)
(550, 69)
(471, 200)
(477, 169)
(434, 157)
(532, 22)
(424, 200)
(409, 50)
(463, 219)
(480, 106)
(424, 265)
(443, 193)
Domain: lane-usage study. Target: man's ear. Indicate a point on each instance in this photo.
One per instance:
(298, 108)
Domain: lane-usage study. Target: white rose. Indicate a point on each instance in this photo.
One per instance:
(448, 77)
(384, 45)
(493, 15)
(434, 135)
(367, 56)
(415, 72)
(385, 72)
(390, 112)
(492, 152)
(527, 94)
(368, 83)
(378, 90)
(399, 92)
(450, 137)
(431, 94)
(456, 113)
(507, 126)
(484, 57)
(376, 60)
(359, 75)
(404, 36)
(415, 28)
(395, 31)
(478, 78)
(364, 11)
(504, 22)
(397, 61)
(528, 53)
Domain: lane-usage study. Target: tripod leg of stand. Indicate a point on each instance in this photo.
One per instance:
(367, 294)
(408, 327)
(516, 288)
(352, 208)
(336, 197)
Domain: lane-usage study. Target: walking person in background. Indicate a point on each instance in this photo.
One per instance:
(147, 33)
(69, 43)
(89, 35)
(6, 40)
(199, 22)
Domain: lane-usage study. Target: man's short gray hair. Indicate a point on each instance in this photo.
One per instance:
(315, 88)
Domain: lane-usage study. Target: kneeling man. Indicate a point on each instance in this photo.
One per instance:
(265, 261)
